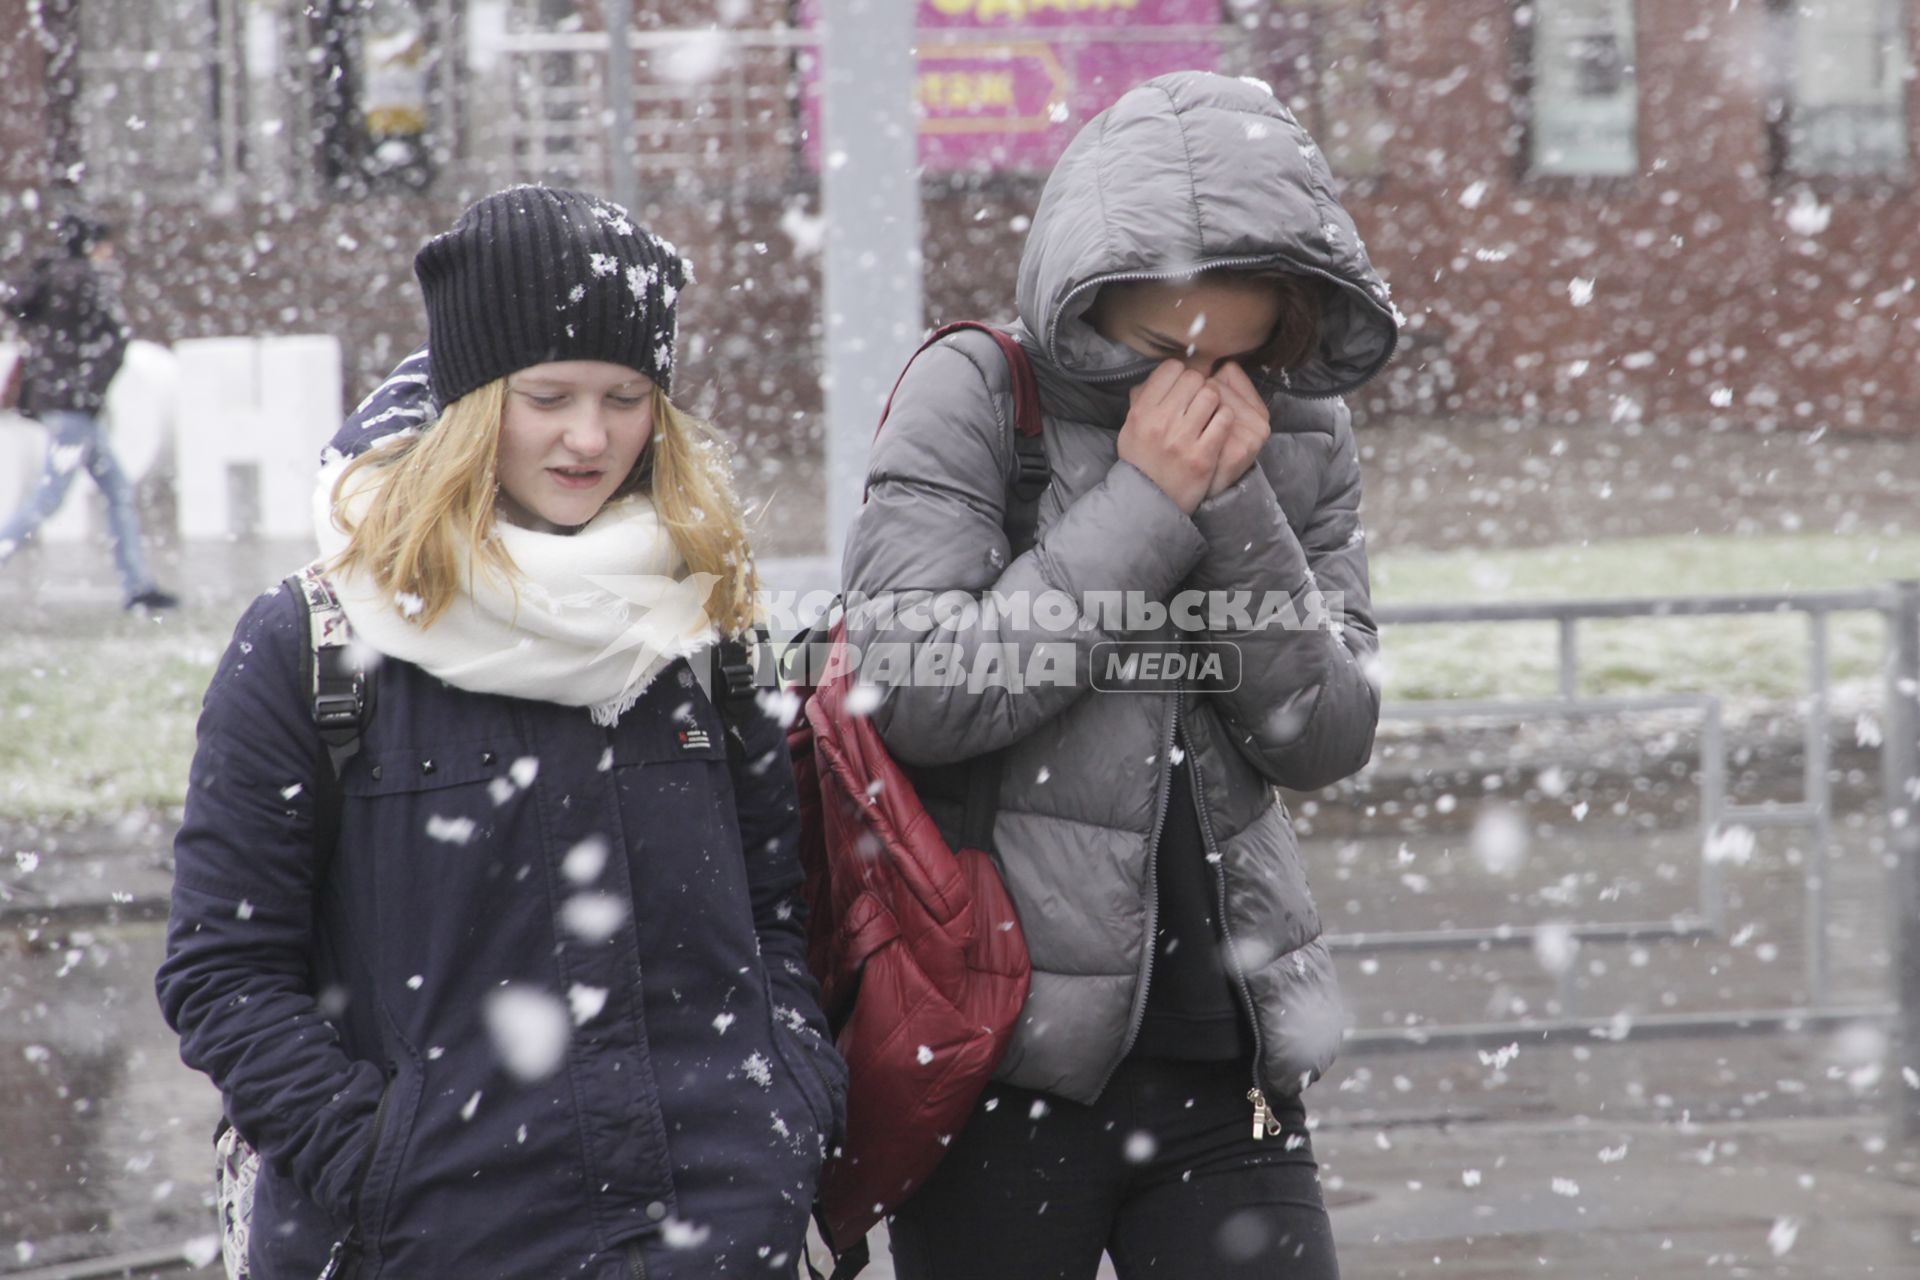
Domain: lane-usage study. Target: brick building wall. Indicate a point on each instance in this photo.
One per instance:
(23, 96)
(1699, 281)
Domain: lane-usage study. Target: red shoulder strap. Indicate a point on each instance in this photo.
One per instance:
(1026, 389)
(1031, 472)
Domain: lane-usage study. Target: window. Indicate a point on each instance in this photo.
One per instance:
(1322, 58)
(182, 97)
(711, 101)
(1841, 109)
(147, 98)
(372, 90)
(1582, 93)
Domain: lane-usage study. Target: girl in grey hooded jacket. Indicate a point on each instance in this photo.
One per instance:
(1194, 300)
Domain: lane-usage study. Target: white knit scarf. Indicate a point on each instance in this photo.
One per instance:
(588, 621)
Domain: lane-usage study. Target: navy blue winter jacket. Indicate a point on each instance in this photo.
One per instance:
(339, 999)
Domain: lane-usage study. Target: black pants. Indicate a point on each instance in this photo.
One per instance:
(1163, 1173)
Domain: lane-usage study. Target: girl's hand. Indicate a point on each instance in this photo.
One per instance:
(1174, 430)
(1246, 433)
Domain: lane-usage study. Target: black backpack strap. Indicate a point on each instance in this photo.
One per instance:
(1031, 476)
(743, 665)
(983, 800)
(852, 1261)
(339, 689)
(1032, 471)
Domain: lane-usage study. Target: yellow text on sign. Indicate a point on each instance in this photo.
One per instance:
(1017, 10)
(966, 90)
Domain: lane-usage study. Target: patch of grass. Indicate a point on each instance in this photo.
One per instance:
(1751, 657)
(1646, 567)
(100, 723)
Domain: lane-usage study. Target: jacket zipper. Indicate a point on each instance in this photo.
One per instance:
(349, 1244)
(336, 1258)
(1264, 1123)
(1215, 264)
(373, 1149)
(1139, 1012)
(636, 1264)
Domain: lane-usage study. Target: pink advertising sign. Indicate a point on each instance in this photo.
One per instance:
(1005, 84)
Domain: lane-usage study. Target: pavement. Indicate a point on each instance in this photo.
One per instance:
(1732, 1156)
(1736, 1156)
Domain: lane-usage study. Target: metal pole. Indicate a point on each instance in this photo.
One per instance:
(870, 199)
(232, 79)
(1713, 807)
(622, 185)
(1569, 658)
(1900, 763)
(1818, 790)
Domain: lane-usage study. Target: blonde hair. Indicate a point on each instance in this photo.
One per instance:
(686, 469)
(433, 507)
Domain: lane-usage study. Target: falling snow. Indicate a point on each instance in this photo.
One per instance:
(529, 1030)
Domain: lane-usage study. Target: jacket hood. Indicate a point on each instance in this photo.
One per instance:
(404, 402)
(1188, 173)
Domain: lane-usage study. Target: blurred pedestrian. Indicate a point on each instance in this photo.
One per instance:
(522, 993)
(1194, 301)
(75, 334)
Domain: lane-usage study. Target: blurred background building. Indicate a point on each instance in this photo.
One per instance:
(1592, 211)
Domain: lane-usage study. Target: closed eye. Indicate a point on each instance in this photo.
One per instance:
(544, 400)
(1161, 347)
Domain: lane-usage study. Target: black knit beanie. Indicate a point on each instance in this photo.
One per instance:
(533, 274)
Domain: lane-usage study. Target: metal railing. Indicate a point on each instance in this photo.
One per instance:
(1899, 606)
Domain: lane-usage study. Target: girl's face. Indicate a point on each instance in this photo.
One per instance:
(572, 433)
(1203, 322)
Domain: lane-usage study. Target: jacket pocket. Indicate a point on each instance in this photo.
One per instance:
(399, 770)
(393, 1125)
(805, 1056)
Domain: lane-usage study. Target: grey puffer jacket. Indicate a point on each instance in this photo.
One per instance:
(1187, 172)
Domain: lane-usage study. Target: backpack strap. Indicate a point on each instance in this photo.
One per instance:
(341, 697)
(980, 776)
(853, 1261)
(339, 690)
(1032, 474)
(1032, 471)
(741, 669)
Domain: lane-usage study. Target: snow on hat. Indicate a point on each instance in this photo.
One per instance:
(533, 274)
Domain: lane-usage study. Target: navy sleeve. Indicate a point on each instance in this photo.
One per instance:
(769, 811)
(23, 300)
(402, 402)
(236, 982)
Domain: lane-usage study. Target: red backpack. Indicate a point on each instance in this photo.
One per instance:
(919, 953)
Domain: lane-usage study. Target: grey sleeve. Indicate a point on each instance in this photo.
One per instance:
(932, 586)
(1306, 706)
